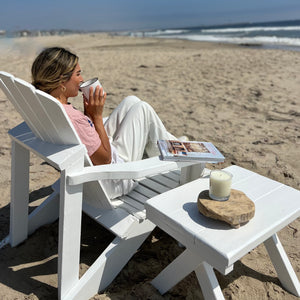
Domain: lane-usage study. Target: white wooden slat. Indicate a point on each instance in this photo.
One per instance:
(138, 197)
(46, 213)
(58, 156)
(45, 125)
(130, 209)
(133, 202)
(136, 213)
(177, 171)
(28, 107)
(95, 195)
(149, 192)
(127, 170)
(240, 174)
(20, 103)
(142, 189)
(164, 181)
(154, 186)
(257, 187)
(19, 194)
(116, 220)
(22, 133)
(70, 211)
(159, 183)
(66, 133)
(173, 175)
(9, 96)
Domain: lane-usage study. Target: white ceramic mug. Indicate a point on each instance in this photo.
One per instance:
(85, 86)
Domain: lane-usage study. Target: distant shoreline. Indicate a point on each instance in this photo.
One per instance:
(34, 34)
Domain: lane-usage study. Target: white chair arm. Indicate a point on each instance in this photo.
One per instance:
(128, 170)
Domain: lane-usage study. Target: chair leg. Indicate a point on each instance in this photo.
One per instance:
(70, 208)
(46, 213)
(110, 263)
(19, 194)
(208, 281)
(282, 265)
(20, 223)
(191, 173)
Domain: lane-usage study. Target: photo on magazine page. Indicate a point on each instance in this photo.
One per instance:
(193, 150)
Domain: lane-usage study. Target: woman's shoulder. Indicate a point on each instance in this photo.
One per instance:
(72, 111)
(77, 116)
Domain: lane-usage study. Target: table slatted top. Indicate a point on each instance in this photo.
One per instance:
(176, 212)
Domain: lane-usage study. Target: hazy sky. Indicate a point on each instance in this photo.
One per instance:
(139, 14)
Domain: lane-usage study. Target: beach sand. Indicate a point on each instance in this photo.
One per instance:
(245, 100)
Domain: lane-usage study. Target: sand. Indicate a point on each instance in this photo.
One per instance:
(245, 100)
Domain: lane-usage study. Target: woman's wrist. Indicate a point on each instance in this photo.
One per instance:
(97, 119)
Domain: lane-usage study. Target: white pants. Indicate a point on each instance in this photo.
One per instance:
(135, 128)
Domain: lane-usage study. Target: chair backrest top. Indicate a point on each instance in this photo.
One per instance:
(43, 113)
(48, 120)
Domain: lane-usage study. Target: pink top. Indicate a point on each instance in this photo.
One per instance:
(84, 128)
(90, 138)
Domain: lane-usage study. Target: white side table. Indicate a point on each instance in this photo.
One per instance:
(214, 244)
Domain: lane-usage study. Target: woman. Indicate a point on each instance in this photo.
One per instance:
(132, 129)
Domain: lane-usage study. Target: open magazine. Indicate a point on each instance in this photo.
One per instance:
(186, 151)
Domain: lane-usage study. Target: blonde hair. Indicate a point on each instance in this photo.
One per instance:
(52, 67)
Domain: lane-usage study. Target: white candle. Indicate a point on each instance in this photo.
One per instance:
(220, 185)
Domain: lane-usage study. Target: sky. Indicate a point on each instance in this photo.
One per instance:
(116, 15)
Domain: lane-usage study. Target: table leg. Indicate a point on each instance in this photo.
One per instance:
(282, 265)
(183, 265)
(208, 281)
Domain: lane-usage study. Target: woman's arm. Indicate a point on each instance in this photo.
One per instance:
(94, 109)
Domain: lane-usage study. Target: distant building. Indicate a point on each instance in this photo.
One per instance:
(25, 33)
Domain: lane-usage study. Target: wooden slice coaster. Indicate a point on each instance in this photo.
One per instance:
(237, 210)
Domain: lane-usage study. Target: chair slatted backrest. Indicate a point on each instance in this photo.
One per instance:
(55, 128)
(20, 103)
(47, 119)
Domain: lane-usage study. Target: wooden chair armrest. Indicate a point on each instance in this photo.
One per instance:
(128, 170)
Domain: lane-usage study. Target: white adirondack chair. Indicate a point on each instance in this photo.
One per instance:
(48, 132)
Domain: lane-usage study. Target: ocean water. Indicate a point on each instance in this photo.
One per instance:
(283, 34)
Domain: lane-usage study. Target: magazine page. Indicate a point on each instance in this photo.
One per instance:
(191, 150)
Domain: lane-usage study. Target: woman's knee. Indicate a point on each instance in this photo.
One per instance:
(138, 107)
(146, 107)
(130, 100)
